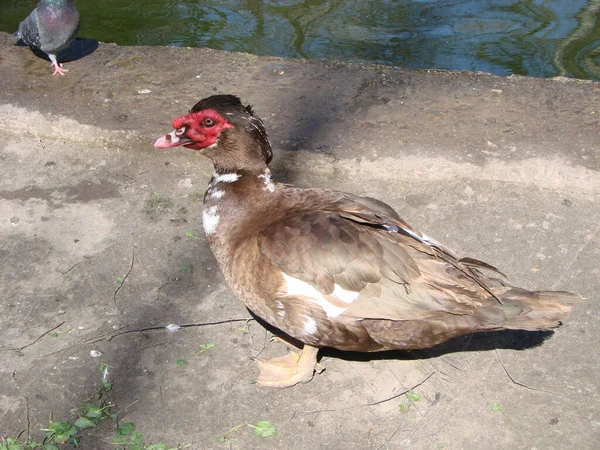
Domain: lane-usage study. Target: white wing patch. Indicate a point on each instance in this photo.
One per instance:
(295, 287)
(310, 326)
(342, 294)
(281, 308)
(426, 239)
(431, 240)
(210, 220)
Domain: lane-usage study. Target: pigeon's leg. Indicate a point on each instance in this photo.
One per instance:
(58, 68)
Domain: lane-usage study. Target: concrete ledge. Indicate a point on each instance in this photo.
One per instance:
(503, 169)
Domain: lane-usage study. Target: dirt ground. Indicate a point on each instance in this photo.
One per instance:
(101, 235)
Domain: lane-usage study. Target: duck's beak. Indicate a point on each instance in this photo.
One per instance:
(171, 140)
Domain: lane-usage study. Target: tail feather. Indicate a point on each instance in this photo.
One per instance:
(528, 310)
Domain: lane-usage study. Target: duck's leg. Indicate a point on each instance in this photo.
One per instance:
(288, 370)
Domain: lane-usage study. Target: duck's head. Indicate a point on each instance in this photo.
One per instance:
(224, 130)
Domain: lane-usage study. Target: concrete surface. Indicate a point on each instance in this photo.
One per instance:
(502, 169)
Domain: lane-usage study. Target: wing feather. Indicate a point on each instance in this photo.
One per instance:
(395, 272)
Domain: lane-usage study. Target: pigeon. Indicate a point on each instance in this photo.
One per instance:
(50, 27)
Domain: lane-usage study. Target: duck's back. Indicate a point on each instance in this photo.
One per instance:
(352, 277)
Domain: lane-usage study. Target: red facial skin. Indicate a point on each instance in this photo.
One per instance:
(196, 130)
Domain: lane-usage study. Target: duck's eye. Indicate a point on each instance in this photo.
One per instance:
(208, 122)
(180, 131)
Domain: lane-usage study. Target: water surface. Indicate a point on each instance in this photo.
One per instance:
(541, 38)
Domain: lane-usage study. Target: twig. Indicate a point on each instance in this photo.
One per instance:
(289, 420)
(566, 270)
(378, 402)
(28, 420)
(35, 341)
(125, 277)
(132, 180)
(123, 411)
(252, 359)
(296, 412)
(387, 441)
(9, 409)
(162, 327)
(72, 267)
(518, 383)
(139, 330)
(414, 430)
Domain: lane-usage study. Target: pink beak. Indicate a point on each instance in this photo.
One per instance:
(171, 140)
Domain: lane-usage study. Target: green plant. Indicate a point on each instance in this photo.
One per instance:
(61, 433)
(191, 234)
(413, 396)
(264, 428)
(89, 415)
(17, 444)
(205, 347)
(129, 439)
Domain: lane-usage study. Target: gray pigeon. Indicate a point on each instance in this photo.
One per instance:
(50, 27)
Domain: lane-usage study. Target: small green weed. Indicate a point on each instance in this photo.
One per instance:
(413, 396)
(129, 439)
(264, 428)
(205, 347)
(61, 433)
(191, 234)
(88, 416)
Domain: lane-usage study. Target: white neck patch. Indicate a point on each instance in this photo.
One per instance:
(210, 220)
(266, 177)
(216, 195)
(226, 177)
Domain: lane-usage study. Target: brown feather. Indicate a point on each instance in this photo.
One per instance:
(339, 270)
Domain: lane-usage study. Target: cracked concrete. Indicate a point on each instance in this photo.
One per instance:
(503, 169)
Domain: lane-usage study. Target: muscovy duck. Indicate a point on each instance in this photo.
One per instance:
(50, 27)
(332, 269)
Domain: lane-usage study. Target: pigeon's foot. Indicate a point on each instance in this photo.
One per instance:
(59, 69)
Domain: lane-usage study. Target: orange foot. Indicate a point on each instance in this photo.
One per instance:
(288, 370)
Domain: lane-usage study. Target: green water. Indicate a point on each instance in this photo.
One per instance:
(541, 38)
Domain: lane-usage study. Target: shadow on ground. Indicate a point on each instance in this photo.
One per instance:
(79, 48)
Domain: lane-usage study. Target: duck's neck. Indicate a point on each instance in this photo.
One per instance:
(235, 202)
